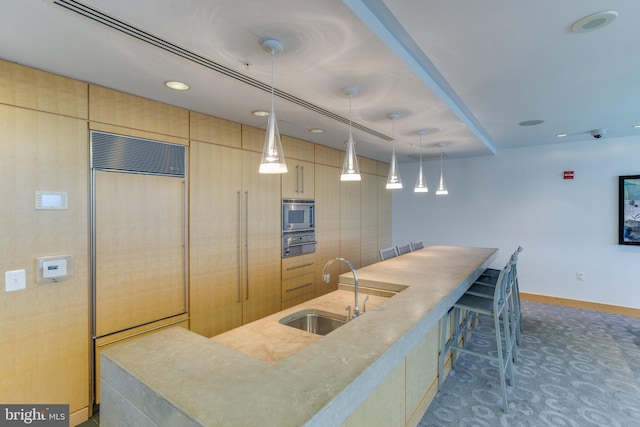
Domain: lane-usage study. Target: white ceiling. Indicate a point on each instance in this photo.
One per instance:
(466, 71)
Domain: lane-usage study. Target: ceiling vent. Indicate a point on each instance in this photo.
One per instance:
(125, 28)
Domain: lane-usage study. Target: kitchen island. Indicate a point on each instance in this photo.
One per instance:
(378, 369)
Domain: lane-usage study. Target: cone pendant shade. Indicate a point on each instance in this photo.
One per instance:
(350, 169)
(421, 184)
(393, 180)
(442, 188)
(272, 153)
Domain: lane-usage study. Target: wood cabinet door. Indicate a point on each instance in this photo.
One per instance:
(350, 222)
(327, 183)
(140, 243)
(368, 219)
(216, 199)
(298, 183)
(261, 239)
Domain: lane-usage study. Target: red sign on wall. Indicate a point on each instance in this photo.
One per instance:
(568, 174)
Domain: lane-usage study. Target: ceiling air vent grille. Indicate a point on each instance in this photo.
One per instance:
(123, 27)
(126, 154)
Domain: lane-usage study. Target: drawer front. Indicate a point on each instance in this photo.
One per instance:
(297, 285)
(297, 266)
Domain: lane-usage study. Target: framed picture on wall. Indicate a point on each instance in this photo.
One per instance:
(629, 205)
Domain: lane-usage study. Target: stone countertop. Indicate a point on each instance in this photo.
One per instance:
(306, 380)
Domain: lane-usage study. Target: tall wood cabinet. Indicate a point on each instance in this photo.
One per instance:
(234, 234)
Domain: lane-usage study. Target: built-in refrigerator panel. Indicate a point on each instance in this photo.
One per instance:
(138, 240)
(139, 250)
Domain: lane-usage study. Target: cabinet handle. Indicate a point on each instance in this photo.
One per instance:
(299, 287)
(302, 170)
(297, 179)
(246, 240)
(291, 245)
(299, 266)
(239, 249)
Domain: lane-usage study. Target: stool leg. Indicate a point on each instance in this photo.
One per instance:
(503, 380)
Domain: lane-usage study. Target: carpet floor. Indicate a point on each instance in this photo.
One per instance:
(576, 368)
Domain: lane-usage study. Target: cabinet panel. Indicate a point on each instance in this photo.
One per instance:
(140, 270)
(385, 405)
(38, 90)
(214, 130)
(350, 222)
(368, 219)
(262, 239)
(298, 149)
(328, 156)
(422, 375)
(384, 214)
(215, 238)
(44, 329)
(235, 239)
(327, 198)
(298, 183)
(122, 109)
(294, 287)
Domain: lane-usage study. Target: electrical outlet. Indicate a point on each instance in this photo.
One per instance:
(580, 276)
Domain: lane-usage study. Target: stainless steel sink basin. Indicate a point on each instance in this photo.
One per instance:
(314, 321)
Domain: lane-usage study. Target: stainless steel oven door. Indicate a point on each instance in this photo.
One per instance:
(298, 244)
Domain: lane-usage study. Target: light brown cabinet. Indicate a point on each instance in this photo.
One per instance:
(327, 223)
(234, 239)
(298, 279)
(298, 183)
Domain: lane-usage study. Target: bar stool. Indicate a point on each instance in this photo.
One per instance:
(487, 280)
(497, 308)
(404, 249)
(387, 253)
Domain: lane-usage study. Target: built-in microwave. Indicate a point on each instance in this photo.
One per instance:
(298, 215)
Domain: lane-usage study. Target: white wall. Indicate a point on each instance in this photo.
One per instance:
(519, 197)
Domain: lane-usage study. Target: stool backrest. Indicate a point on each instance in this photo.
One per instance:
(403, 249)
(388, 253)
(417, 245)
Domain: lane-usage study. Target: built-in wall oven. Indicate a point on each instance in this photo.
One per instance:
(298, 227)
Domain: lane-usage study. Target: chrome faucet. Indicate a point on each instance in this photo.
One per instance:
(327, 278)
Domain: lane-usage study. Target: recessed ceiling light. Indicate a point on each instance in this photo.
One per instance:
(594, 21)
(531, 123)
(316, 130)
(176, 85)
(561, 135)
(260, 113)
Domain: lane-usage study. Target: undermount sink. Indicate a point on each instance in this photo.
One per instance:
(314, 321)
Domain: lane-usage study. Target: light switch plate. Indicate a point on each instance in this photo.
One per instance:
(15, 280)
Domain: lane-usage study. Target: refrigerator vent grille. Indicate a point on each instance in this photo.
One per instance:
(128, 154)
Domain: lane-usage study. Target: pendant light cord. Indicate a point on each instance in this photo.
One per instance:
(273, 54)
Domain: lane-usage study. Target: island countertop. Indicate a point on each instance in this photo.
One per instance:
(180, 377)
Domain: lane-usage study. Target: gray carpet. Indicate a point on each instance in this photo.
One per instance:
(576, 368)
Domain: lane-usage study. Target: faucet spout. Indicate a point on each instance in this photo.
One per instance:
(326, 277)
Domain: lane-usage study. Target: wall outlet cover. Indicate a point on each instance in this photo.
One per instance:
(15, 280)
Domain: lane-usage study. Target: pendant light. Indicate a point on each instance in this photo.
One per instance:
(393, 180)
(272, 153)
(442, 188)
(350, 169)
(421, 183)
